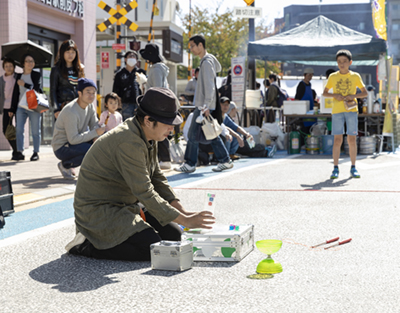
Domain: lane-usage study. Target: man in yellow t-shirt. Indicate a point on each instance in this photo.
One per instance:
(344, 83)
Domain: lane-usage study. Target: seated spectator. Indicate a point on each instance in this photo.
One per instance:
(76, 128)
(233, 113)
(234, 130)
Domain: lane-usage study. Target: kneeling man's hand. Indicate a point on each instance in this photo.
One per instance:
(203, 219)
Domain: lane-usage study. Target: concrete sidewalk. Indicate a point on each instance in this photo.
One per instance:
(36, 181)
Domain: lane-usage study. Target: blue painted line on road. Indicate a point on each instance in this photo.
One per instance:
(48, 214)
(41, 216)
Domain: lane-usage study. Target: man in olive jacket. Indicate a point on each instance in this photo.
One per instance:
(119, 175)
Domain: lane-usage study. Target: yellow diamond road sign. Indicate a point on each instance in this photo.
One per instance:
(249, 2)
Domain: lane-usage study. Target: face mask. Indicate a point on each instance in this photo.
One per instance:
(131, 62)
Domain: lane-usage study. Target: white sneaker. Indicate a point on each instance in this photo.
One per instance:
(185, 168)
(165, 165)
(66, 173)
(79, 239)
(223, 166)
(73, 171)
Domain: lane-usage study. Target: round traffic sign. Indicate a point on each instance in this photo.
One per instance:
(237, 70)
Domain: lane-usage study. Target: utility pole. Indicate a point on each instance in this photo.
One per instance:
(251, 61)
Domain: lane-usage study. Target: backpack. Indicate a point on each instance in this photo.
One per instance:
(282, 96)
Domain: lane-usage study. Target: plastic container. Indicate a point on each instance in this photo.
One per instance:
(296, 107)
(327, 144)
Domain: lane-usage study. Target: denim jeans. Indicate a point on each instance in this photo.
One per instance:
(72, 155)
(232, 146)
(128, 110)
(192, 147)
(34, 118)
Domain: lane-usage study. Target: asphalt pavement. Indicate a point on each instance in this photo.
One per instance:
(289, 197)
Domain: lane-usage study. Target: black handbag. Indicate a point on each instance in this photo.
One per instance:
(11, 133)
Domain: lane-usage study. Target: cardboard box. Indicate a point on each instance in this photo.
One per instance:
(221, 243)
(326, 105)
(171, 255)
(296, 107)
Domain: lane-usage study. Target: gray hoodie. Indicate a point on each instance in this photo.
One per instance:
(205, 88)
(157, 75)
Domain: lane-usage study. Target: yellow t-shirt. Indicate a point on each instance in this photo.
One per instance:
(344, 84)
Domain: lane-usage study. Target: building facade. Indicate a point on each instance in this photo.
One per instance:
(49, 23)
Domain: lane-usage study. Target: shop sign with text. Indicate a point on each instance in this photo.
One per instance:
(69, 6)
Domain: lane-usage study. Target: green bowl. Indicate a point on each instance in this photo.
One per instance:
(269, 246)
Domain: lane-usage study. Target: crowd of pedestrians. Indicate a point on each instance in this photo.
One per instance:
(77, 125)
(72, 98)
(123, 202)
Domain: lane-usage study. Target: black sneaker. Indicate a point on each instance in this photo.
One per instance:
(35, 156)
(18, 156)
(14, 156)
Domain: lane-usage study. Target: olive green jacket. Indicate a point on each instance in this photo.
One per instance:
(120, 170)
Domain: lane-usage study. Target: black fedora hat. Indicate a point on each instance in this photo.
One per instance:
(151, 53)
(162, 105)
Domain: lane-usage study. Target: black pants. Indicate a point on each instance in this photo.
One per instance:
(136, 247)
(163, 151)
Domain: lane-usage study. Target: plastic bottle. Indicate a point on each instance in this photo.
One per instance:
(376, 108)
